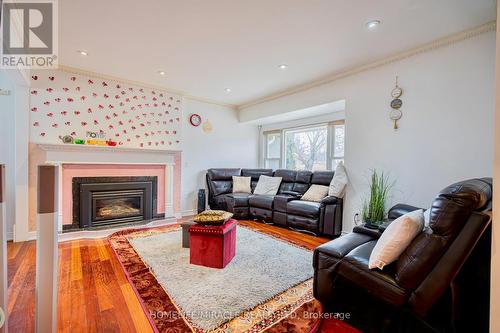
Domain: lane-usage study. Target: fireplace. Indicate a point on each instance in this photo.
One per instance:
(110, 201)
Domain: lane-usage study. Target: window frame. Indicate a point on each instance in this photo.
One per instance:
(330, 144)
(331, 153)
(266, 151)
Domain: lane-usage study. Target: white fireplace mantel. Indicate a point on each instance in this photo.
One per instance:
(60, 154)
(72, 153)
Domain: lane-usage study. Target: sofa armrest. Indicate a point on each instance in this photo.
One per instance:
(281, 200)
(399, 210)
(330, 223)
(341, 246)
(330, 200)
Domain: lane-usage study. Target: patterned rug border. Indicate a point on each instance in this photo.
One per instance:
(279, 315)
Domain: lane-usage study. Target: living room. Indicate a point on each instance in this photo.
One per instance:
(334, 160)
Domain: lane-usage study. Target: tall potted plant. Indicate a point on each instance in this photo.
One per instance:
(374, 207)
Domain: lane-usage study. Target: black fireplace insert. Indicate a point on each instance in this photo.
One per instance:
(108, 201)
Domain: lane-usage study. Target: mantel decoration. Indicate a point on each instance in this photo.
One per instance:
(396, 104)
(374, 207)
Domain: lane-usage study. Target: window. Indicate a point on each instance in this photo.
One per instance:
(337, 144)
(272, 158)
(316, 147)
(306, 149)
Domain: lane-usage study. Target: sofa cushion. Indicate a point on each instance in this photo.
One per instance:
(302, 181)
(287, 179)
(239, 199)
(322, 177)
(261, 201)
(381, 284)
(221, 180)
(220, 201)
(303, 208)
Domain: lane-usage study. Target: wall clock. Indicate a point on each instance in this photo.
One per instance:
(195, 119)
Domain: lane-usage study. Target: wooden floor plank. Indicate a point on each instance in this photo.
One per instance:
(94, 294)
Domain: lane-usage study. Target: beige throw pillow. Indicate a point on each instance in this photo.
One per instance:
(242, 184)
(396, 238)
(339, 181)
(315, 193)
(267, 185)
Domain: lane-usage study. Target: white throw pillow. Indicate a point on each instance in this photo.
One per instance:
(267, 185)
(396, 238)
(315, 193)
(427, 217)
(339, 181)
(242, 184)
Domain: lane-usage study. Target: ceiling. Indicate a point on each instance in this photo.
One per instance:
(207, 46)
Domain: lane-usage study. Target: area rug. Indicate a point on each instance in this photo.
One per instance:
(286, 308)
(262, 268)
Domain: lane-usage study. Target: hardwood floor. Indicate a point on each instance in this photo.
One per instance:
(93, 292)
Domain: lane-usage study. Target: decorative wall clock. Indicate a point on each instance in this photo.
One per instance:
(396, 104)
(195, 119)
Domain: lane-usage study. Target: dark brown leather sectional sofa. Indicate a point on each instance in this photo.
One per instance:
(439, 284)
(284, 209)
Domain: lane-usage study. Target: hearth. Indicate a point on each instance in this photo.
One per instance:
(109, 201)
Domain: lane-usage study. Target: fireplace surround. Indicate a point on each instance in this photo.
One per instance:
(100, 202)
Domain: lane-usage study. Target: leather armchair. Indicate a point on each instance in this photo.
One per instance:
(422, 285)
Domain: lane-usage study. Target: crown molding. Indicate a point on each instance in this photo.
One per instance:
(428, 47)
(80, 71)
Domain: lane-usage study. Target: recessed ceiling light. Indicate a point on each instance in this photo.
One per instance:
(283, 66)
(161, 72)
(372, 25)
(83, 53)
(228, 89)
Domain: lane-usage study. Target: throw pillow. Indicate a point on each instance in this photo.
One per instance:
(315, 193)
(427, 217)
(212, 216)
(339, 181)
(267, 185)
(396, 238)
(241, 184)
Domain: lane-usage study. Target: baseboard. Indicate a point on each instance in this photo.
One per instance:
(189, 212)
(10, 235)
(90, 234)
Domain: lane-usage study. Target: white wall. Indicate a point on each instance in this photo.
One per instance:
(230, 144)
(14, 149)
(445, 135)
(7, 157)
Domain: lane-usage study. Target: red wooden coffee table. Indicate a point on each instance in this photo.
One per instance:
(212, 246)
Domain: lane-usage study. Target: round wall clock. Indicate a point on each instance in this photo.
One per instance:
(195, 119)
